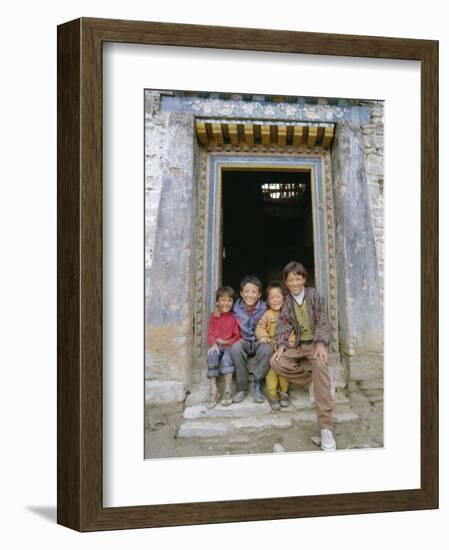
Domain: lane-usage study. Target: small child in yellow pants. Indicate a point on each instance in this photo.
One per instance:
(265, 332)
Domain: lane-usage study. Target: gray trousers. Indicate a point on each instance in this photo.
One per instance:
(240, 352)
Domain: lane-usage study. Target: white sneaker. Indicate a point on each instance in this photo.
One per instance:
(327, 440)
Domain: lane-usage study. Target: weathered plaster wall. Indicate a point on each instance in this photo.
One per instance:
(373, 135)
(156, 123)
(357, 169)
(170, 220)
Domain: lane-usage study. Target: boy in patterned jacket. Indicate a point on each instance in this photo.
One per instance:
(306, 363)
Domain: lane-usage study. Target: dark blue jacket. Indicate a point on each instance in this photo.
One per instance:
(248, 322)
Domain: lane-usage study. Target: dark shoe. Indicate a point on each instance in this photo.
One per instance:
(239, 396)
(274, 403)
(227, 398)
(259, 397)
(284, 399)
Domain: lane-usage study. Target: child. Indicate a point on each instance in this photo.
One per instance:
(303, 312)
(223, 331)
(265, 332)
(248, 309)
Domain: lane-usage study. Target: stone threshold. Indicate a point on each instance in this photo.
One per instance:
(250, 418)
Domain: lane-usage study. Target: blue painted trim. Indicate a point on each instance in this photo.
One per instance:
(216, 162)
(263, 109)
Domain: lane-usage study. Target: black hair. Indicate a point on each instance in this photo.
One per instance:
(252, 280)
(225, 291)
(273, 284)
(296, 268)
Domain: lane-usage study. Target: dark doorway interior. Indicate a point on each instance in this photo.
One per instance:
(267, 222)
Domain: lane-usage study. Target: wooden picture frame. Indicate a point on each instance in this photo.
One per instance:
(80, 351)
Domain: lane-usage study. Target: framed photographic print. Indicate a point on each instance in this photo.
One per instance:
(247, 258)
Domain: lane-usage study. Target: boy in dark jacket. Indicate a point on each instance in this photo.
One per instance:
(248, 309)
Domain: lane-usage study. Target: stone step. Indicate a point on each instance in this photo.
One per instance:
(243, 409)
(251, 425)
(200, 392)
(228, 428)
(233, 430)
(278, 422)
(339, 417)
(213, 428)
(299, 401)
(203, 429)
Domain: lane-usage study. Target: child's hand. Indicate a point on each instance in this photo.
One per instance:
(212, 349)
(217, 313)
(320, 352)
(222, 342)
(276, 356)
(264, 340)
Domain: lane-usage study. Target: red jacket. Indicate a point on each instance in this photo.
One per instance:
(225, 327)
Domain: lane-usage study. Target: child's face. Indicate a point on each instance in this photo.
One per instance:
(295, 283)
(275, 299)
(250, 294)
(225, 303)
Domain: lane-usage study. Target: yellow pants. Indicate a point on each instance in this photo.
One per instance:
(273, 379)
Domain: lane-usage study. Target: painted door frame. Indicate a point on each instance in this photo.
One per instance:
(209, 223)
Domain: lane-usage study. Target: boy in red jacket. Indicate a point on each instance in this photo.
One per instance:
(223, 331)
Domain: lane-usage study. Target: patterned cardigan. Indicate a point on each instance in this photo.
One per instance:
(318, 319)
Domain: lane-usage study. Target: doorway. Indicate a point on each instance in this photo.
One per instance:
(254, 198)
(267, 222)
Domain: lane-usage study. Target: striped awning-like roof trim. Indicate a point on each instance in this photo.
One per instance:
(238, 132)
